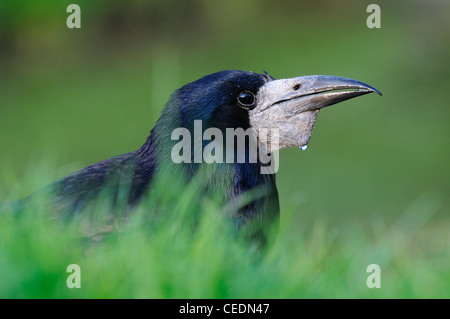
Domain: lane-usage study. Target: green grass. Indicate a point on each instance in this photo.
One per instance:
(177, 246)
(371, 188)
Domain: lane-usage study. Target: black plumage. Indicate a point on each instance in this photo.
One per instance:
(221, 100)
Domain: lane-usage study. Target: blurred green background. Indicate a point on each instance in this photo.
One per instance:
(74, 97)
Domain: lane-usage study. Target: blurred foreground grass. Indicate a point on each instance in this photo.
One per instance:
(187, 250)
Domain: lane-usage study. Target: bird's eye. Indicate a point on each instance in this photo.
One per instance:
(247, 99)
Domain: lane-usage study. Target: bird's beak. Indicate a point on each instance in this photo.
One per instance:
(289, 107)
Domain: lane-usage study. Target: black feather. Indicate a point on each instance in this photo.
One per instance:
(212, 99)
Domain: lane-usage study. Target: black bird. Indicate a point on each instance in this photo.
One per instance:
(224, 100)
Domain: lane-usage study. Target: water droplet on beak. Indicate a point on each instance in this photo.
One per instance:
(304, 147)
